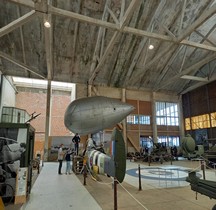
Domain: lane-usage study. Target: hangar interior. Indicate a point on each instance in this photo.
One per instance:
(158, 56)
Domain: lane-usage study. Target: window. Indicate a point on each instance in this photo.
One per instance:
(187, 124)
(201, 121)
(167, 114)
(132, 119)
(146, 141)
(144, 120)
(138, 119)
(213, 119)
(169, 140)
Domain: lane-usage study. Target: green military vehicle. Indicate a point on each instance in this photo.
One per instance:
(190, 149)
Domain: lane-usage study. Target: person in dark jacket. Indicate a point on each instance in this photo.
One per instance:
(76, 141)
(68, 161)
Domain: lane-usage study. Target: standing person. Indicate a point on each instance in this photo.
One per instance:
(60, 158)
(76, 140)
(175, 151)
(68, 161)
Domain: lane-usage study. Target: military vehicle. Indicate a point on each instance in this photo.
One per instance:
(210, 153)
(205, 187)
(190, 149)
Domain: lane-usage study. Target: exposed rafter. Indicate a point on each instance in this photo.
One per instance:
(197, 23)
(142, 43)
(49, 47)
(22, 38)
(138, 32)
(187, 71)
(26, 3)
(123, 22)
(76, 31)
(113, 49)
(137, 76)
(182, 16)
(205, 37)
(22, 65)
(18, 22)
(199, 84)
(96, 55)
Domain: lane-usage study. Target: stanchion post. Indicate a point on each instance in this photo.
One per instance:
(140, 187)
(171, 159)
(84, 174)
(203, 168)
(149, 159)
(115, 194)
(84, 171)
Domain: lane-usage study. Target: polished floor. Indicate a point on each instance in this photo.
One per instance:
(161, 187)
(59, 192)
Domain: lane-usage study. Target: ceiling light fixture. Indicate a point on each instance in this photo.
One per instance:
(151, 47)
(47, 24)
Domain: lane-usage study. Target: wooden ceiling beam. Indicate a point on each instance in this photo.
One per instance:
(26, 3)
(182, 16)
(38, 5)
(76, 31)
(198, 45)
(127, 15)
(22, 38)
(112, 15)
(187, 71)
(49, 46)
(205, 15)
(82, 18)
(211, 77)
(166, 68)
(102, 59)
(17, 23)
(20, 64)
(165, 28)
(205, 37)
(138, 32)
(99, 43)
(138, 75)
(211, 11)
(142, 44)
(199, 84)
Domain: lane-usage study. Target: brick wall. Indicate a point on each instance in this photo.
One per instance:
(34, 100)
(59, 105)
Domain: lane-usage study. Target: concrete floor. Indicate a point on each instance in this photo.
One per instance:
(67, 192)
(155, 194)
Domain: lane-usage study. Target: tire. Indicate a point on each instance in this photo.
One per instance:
(7, 198)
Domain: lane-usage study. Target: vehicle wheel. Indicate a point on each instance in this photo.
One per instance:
(7, 193)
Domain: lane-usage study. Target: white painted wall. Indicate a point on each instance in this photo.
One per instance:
(73, 92)
(8, 93)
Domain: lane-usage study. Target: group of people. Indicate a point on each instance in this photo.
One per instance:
(67, 155)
